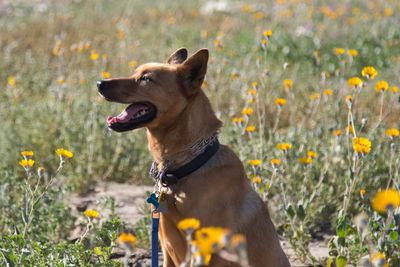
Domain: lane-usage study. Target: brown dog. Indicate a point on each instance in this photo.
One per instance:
(166, 99)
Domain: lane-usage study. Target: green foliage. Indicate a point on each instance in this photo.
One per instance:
(36, 224)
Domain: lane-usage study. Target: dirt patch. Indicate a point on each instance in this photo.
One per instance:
(129, 200)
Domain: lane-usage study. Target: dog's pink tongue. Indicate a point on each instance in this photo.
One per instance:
(126, 114)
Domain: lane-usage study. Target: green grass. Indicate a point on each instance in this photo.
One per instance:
(40, 114)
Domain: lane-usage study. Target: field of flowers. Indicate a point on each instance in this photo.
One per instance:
(308, 92)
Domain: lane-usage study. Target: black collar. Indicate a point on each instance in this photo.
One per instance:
(171, 177)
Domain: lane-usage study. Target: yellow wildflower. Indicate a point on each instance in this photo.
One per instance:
(369, 72)
(350, 130)
(252, 91)
(171, 20)
(202, 257)
(362, 145)
(204, 34)
(105, 75)
(237, 119)
(287, 84)
(94, 55)
(93, 214)
(305, 160)
(26, 163)
(250, 128)
(259, 15)
(352, 52)
(392, 132)
(254, 84)
(210, 239)
(275, 161)
(57, 48)
(218, 44)
(132, 63)
(264, 43)
(87, 45)
(27, 153)
(378, 259)
(121, 35)
(328, 92)
(235, 76)
(394, 89)
(64, 153)
(381, 86)
(337, 133)
(388, 11)
(247, 8)
(247, 111)
(284, 146)
(355, 82)
(267, 33)
(280, 101)
(127, 239)
(255, 162)
(61, 80)
(362, 192)
(12, 81)
(205, 85)
(315, 96)
(311, 154)
(256, 179)
(385, 200)
(339, 51)
(189, 224)
(349, 100)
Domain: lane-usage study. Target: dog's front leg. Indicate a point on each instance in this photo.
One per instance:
(172, 241)
(167, 260)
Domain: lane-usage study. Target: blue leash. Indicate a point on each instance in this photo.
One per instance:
(155, 221)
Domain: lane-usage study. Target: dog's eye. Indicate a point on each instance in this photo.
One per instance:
(145, 78)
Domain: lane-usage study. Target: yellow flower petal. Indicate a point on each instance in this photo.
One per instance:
(284, 146)
(91, 214)
(362, 145)
(369, 72)
(385, 200)
(189, 224)
(64, 153)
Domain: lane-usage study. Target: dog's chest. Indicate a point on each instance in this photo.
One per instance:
(179, 201)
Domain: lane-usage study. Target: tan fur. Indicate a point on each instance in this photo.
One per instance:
(219, 193)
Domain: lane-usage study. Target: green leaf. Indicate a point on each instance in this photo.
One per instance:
(341, 229)
(290, 211)
(300, 212)
(329, 262)
(341, 261)
(394, 235)
(341, 241)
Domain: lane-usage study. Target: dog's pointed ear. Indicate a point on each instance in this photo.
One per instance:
(193, 71)
(178, 56)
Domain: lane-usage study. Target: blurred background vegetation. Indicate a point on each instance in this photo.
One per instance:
(46, 46)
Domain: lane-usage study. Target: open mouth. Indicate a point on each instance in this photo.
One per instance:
(132, 117)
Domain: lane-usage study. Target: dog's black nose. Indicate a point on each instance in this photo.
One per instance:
(99, 85)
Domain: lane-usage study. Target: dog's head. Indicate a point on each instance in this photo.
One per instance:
(156, 92)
